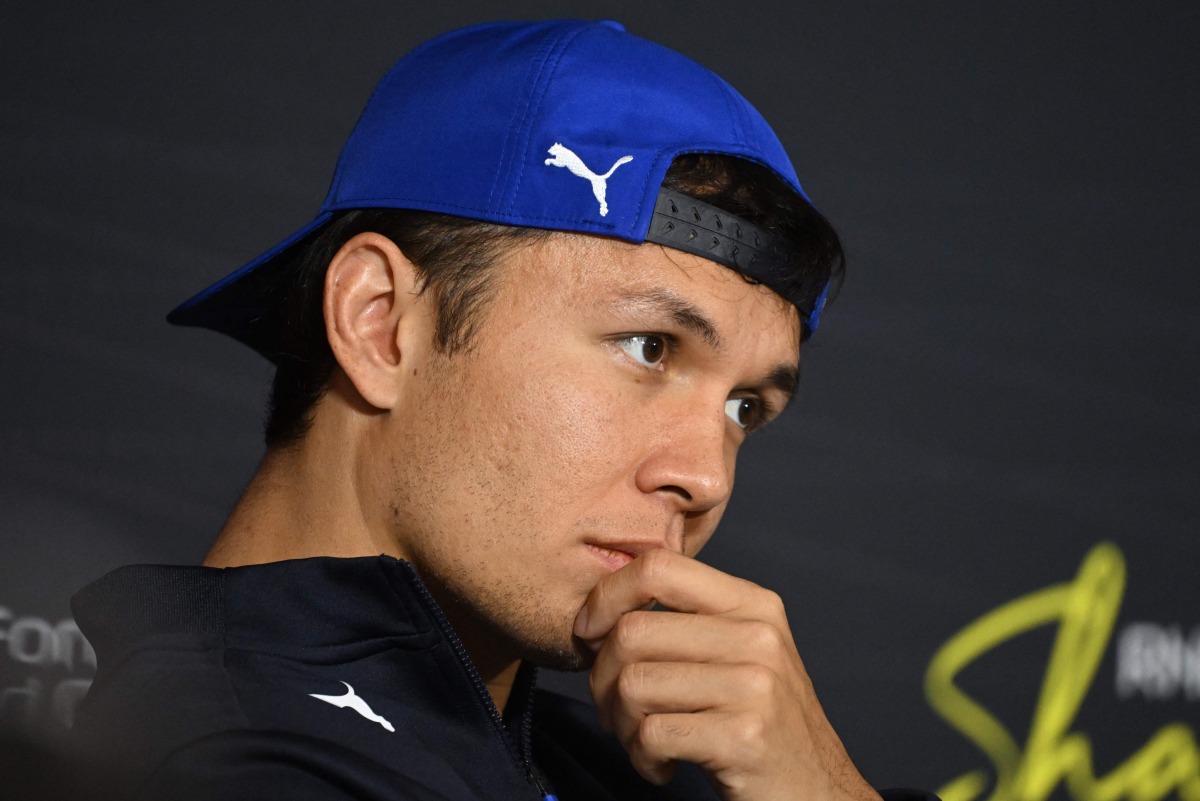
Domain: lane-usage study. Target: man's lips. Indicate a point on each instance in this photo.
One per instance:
(612, 558)
(615, 555)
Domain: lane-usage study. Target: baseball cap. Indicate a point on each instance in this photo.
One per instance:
(565, 125)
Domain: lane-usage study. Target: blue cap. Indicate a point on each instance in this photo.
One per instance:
(565, 125)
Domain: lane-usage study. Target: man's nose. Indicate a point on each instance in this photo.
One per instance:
(691, 460)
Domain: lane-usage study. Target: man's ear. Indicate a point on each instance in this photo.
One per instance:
(373, 315)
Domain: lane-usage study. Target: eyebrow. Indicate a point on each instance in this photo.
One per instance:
(680, 310)
(786, 379)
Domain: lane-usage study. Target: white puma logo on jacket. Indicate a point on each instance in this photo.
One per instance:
(357, 704)
(562, 156)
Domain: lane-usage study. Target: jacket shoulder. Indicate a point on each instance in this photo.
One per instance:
(155, 701)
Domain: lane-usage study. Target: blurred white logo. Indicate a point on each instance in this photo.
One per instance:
(44, 654)
(1158, 662)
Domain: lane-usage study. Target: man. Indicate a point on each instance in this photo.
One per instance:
(560, 275)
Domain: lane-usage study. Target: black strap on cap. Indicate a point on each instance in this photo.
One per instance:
(693, 226)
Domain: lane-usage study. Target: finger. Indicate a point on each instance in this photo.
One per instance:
(677, 637)
(650, 688)
(676, 581)
(712, 740)
(655, 771)
(643, 636)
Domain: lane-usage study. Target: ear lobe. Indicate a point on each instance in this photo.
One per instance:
(371, 295)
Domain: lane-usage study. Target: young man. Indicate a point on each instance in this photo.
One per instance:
(560, 275)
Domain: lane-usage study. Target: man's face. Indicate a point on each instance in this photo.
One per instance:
(597, 415)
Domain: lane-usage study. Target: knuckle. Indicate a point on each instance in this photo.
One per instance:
(758, 680)
(630, 629)
(652, 766)
(773, 603)
(767, 639)
(747, 731)
(631, 681)
(651, 734)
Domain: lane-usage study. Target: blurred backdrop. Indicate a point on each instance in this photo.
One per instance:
(983, 512)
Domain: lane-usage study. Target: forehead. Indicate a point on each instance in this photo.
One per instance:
(595, 272)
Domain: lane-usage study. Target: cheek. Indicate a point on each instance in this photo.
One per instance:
(571, 427)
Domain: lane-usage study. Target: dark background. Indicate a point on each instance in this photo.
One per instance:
(1008, 378)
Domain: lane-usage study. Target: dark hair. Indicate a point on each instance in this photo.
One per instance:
(454, 256)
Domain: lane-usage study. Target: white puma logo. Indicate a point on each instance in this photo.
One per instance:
(357, 704)
(564, 157)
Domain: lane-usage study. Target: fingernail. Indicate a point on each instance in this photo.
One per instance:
(581, 623)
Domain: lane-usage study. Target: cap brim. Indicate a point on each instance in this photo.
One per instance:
(242, 303)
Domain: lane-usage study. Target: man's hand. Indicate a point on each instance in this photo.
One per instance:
(716, 681)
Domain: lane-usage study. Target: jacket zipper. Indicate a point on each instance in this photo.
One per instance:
(481, 691)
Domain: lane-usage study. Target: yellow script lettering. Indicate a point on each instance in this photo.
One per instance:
(1085, 610)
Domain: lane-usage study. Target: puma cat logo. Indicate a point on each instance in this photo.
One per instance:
(563, 157)
(352, 701)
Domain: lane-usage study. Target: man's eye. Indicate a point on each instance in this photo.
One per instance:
(745, 412)
(647, 349)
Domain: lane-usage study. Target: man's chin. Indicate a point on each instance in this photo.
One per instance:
(545, 649)
(530, 638)
(569, 660)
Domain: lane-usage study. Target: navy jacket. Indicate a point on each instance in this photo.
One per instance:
(208, 681)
